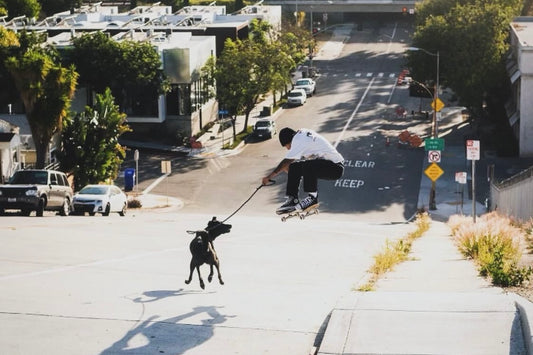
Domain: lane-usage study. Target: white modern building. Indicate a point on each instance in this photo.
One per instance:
(520, 68)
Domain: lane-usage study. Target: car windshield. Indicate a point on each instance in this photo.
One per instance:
(262, 124)
(302, 82)
(294, 94)
(93, 190)
(29, 177)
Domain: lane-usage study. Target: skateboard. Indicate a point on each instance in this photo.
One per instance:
(301, 214)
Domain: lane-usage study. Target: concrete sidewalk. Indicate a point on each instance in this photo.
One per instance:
(432, 304)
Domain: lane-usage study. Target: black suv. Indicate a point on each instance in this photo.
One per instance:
(36, 190)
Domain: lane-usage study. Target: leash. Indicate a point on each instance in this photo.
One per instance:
(271, 182)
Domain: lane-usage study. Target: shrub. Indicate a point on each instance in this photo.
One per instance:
(495, 244)
(134, 203)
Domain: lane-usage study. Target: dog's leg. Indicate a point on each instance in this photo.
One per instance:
(217, 265)
(190, 274)
(210, 277)
(202, 284)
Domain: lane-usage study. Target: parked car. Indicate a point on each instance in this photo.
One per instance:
(102, 199)
(36, 190)
(308, 84)
(296, 97)
(264, 128)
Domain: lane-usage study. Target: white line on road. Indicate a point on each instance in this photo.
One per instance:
(94, 263)
(353, 113)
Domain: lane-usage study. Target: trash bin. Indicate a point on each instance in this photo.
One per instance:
(129, 179)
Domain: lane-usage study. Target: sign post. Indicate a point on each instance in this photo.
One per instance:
(473, 154)
(136, 158)
(460, 178)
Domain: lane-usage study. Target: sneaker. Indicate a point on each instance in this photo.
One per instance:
(288, 206)
(307, 203)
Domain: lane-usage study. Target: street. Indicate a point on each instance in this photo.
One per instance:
(115, 285)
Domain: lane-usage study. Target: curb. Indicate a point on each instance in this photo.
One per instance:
(525, 309)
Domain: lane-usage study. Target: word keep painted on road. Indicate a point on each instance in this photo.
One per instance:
(354, 183)
(472, 149)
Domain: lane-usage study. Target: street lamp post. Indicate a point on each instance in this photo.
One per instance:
(434, 127)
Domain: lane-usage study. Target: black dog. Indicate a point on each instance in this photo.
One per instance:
(203, 251)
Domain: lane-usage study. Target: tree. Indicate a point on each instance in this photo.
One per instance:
(90, 142)
(247, 69)
(470, 36)
(130, 69)
(9, 45)
(243, 74)
(28, 8)
(46, 90)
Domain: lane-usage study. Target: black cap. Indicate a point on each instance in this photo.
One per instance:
(285, 135)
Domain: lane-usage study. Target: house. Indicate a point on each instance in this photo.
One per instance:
(10, 156)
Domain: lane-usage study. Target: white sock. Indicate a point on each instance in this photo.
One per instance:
(314, 194)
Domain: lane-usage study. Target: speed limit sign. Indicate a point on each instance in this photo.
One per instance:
(434, 156)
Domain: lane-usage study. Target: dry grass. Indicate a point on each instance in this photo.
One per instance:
(394, 253)
(495, 243)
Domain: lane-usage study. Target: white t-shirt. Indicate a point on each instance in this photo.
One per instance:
(307, 144)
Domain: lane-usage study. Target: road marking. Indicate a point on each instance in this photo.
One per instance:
(155, 183)
(94, 263)
(353, 113)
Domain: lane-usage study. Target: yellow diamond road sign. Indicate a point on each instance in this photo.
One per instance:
(433, 171)
(437, 104)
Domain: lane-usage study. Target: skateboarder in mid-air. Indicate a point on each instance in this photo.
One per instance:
(310, 156)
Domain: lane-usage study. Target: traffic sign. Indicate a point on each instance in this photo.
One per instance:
(434, 144)
(472, 150)
(434, 156)
(433, 172)
(437, 104)
(460, 177)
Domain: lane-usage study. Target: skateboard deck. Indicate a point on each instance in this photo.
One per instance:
(301, 214)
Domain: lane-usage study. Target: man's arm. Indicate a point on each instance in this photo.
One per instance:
(282, 166)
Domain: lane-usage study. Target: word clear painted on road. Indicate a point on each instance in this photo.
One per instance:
(433, 172)
(472, 150)
(359, 164)
(434, 156)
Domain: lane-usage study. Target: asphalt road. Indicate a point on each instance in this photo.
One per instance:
(115, 285)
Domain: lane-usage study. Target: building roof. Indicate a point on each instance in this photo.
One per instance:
(6, 137)
(523, 27)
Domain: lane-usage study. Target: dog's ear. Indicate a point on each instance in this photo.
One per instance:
(214, 218)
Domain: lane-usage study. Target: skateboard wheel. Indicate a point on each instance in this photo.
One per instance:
(302, 216)
(283, 219)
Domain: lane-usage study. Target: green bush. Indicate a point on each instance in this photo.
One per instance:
(495, 244)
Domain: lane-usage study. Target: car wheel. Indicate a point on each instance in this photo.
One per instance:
(65, 209)
(107, 210)
(40, 207)
(2, 212)
(123, 211)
